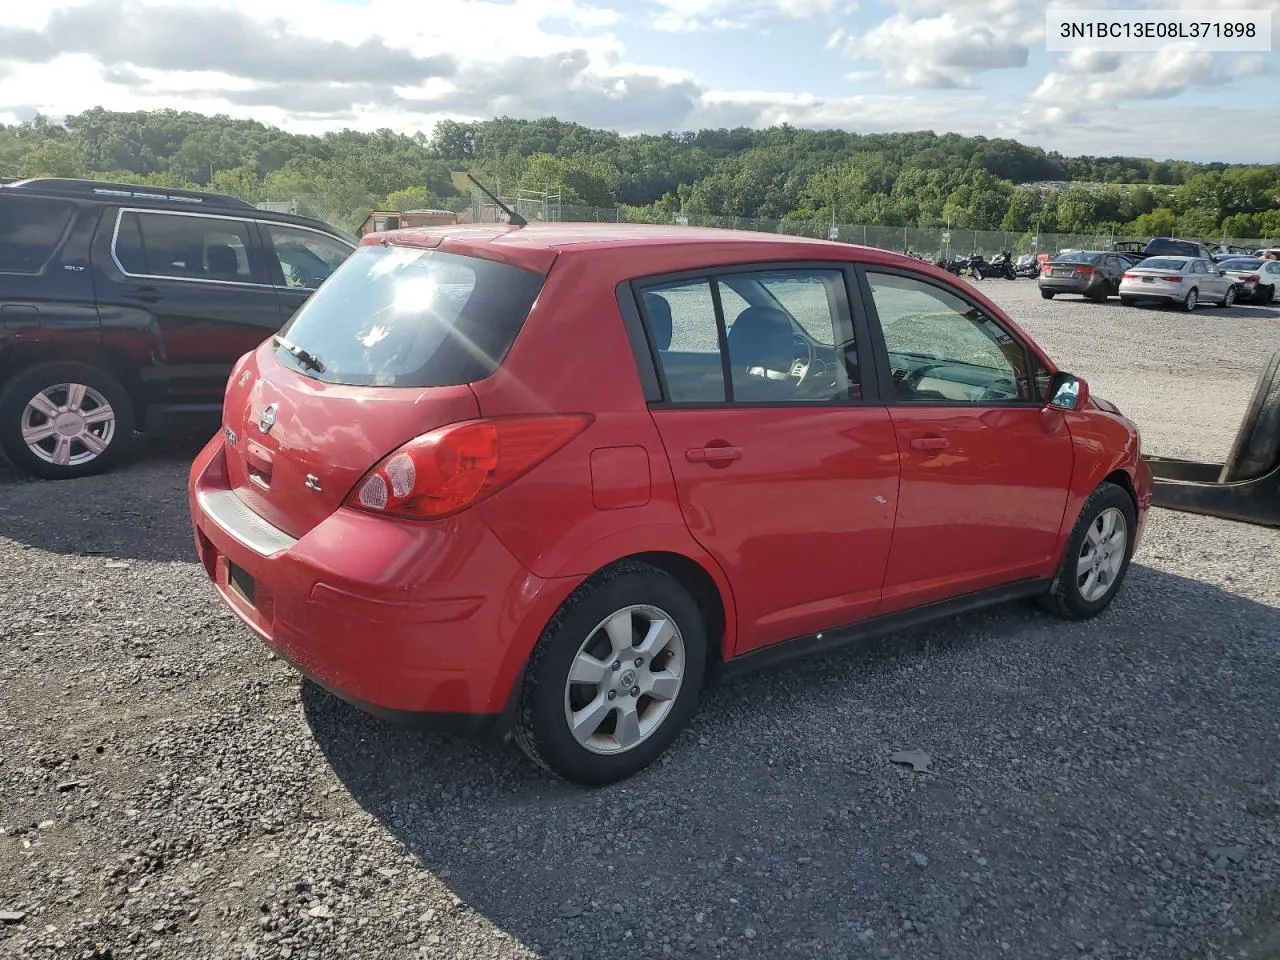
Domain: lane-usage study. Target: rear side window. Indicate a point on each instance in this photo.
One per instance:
(30, 231)
(774, 341)
(405, 317)
(183, 247)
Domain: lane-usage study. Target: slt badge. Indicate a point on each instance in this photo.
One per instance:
(268, 418)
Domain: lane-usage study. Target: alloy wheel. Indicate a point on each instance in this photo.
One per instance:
(1102, 555)
(624, 679)
(68, 424)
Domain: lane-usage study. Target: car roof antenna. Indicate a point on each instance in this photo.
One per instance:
(513, 218)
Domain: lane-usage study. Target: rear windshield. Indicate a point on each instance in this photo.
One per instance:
(1162, 263)
(406, 317)
(1177, 248)
(1078, 256)
(1240, 263)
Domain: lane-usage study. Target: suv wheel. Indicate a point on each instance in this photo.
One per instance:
(614, 677)
(61, 419)
(1096, 557)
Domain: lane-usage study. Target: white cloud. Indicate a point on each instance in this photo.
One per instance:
(690, 16)
(939, 52)
(1101, 81)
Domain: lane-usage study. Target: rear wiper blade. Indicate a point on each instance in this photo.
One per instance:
(302, 356)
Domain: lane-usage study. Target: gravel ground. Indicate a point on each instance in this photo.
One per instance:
(1109, 789)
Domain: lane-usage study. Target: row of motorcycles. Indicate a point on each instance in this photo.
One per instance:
(1000, 267)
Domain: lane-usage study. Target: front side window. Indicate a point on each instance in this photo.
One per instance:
(944, 349)
(183, 247)
(780, 334)
(306, 258)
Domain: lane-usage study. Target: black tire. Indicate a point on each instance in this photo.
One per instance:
(1257, 445)
(1047, 294)
(1264, 295)
(542, 729)
(1128, 302)
(26, 384)
(1229, 298)
(1064, 597)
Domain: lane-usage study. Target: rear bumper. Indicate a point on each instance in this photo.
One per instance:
(1152, 291)
(426, 623)
(1066, 284)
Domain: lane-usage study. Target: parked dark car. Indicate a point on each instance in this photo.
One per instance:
(122, 306)
(1091, 273)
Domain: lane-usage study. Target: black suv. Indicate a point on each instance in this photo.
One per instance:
(122, 307)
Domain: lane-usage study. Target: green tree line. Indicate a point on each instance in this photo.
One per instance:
(781, 173)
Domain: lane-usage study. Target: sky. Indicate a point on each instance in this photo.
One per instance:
(975, 67)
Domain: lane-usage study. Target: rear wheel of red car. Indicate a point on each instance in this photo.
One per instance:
(614, 677)
(1097, 555)
(61, 419)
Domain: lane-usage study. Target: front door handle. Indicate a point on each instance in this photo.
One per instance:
(713, 454)
(930, 443)
(142, 294)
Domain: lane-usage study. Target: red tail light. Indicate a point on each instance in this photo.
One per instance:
(1253, 279)
(1085, 271)
(1172, 278)
(1130, 276)
(451, 468)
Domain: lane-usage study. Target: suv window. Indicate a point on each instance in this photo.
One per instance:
(942, 348)
(773, 336)
(30, 231)
(183, 247)
(406, 317)
(306, 258)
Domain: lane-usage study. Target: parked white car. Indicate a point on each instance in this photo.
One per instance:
(1186, 281)
(1257, 280)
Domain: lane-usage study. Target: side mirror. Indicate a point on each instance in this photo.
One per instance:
(1222, 273)
(1067, 392)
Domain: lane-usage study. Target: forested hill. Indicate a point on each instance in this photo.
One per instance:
(780, 173)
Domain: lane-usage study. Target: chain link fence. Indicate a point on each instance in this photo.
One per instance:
(928, 241)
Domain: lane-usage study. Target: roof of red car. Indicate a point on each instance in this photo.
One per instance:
(556, 236)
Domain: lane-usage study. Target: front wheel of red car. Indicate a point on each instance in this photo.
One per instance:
(1097, 555)
(614, 677)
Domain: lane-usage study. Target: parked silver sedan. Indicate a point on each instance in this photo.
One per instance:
(1186, 281)
(1257, 280)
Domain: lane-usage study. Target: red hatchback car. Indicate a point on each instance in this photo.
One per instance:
(552, 479)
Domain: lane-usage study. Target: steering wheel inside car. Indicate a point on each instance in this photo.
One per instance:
(800, 368)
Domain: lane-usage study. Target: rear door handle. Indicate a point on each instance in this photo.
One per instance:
(930, 443)
(713, 454)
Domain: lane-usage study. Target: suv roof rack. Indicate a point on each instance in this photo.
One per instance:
(100, 188)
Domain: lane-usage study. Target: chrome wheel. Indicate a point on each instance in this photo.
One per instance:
(1102, 555)
(1230, 297)
(68, 424)
(624, 679)
(1193, 298)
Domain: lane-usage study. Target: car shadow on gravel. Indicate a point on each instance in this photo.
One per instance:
(136, 511)
(778, 826)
